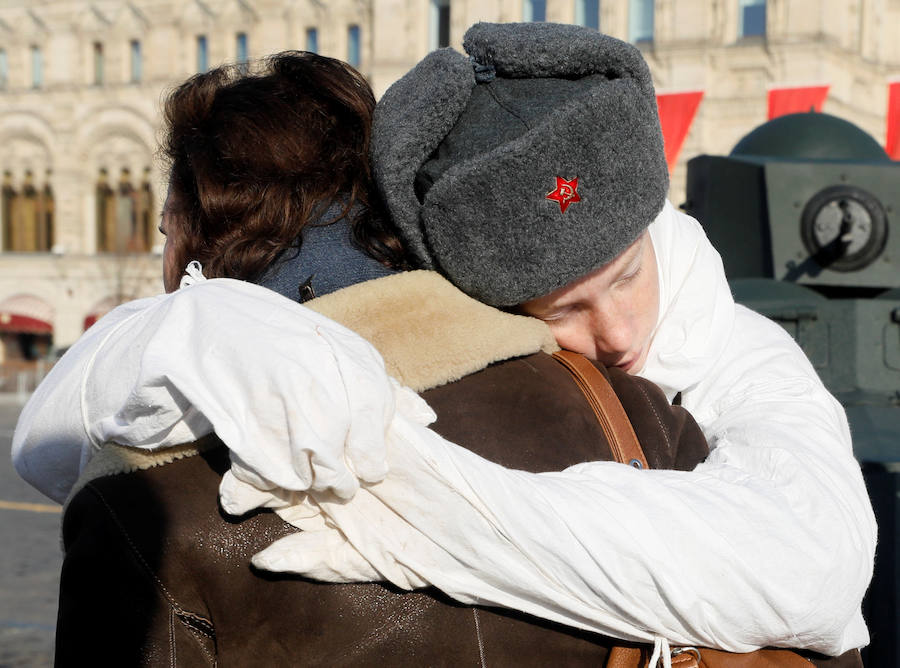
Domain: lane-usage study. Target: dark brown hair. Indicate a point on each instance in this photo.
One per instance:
(255, 156)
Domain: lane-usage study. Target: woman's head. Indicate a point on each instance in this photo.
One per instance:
(254, 156)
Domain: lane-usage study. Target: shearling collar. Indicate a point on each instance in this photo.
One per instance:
(429, 332)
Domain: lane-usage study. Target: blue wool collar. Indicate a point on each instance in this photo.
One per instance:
(327, 260)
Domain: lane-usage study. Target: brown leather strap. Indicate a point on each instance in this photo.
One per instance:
(627, 657)
(603, 400)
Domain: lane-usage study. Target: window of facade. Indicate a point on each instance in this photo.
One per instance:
(353, 46)
(202, 54)
(27, 211)
(534, 10)
(98, 63)
(124, 209)
(47, 213)
(640, 21)
(240, 48)
(37, 67)
(752, 18)
(440, 24)
(137, 64)
(147, 227)
(4, 70)
(312, 40)
(7, 198)
(587, 13)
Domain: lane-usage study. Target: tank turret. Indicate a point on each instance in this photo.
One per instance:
(804, 211)
(804, 198)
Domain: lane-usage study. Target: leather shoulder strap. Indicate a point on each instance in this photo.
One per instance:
(606, 405)
(627, 449)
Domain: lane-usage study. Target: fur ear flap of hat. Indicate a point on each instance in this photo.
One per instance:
(527, 166)
(411, 119)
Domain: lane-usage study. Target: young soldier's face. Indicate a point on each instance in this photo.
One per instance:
(608, 315)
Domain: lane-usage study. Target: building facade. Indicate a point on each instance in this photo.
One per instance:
(81, 83)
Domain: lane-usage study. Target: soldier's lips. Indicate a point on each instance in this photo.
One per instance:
(628, 364)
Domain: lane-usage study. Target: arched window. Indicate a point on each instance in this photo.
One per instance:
(27, 214)
(45, 211)
(7, 198)
(146, 230)
(124, 213)
(27, 229)
(106, 201)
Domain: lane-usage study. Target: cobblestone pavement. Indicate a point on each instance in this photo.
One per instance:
(30, 559)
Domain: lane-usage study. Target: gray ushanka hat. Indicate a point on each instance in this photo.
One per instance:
(530, 163)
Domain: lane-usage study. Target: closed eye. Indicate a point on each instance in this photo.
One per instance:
(630, 276)
(557, 315)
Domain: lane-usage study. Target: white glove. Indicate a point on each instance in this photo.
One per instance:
(327, 389)
(256, 478)
(322, 552)
(328, 557)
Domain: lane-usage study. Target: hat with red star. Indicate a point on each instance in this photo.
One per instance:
(527, 164)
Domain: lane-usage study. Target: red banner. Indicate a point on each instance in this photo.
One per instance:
(796, 100)
(892, 145)
(676, 115)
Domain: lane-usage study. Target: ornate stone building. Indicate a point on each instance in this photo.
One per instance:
(81, 83)
(80, 89)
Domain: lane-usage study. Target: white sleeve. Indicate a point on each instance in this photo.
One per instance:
(50, 444)
(223, 356)
(768, 543)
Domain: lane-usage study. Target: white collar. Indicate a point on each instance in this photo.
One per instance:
(696, 309)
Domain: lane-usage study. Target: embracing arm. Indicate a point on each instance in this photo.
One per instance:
(737, 554)
(51, 443)
(220, 355)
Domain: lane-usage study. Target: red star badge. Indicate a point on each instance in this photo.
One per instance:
(566, 192)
